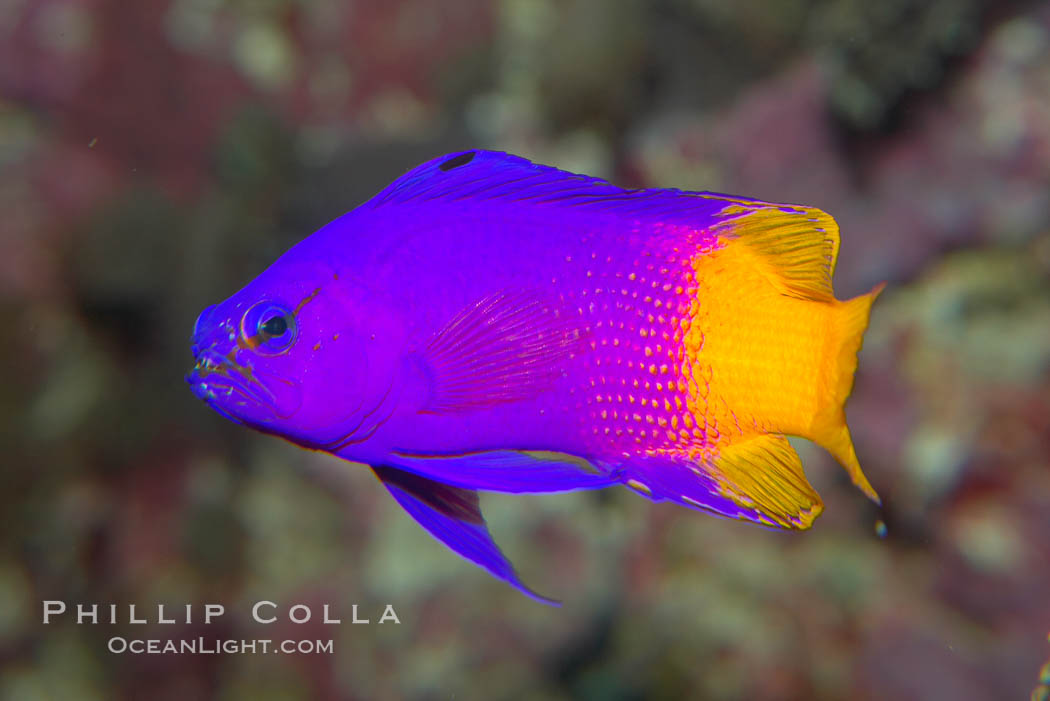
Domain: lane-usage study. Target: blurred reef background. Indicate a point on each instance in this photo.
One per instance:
(156, 155)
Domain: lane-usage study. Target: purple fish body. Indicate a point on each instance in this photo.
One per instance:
(486, 323)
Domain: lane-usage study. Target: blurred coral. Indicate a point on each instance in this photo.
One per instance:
(155, 155)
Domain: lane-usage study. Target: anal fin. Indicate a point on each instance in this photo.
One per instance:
(453, 516)
(765, 473)
(758, 480)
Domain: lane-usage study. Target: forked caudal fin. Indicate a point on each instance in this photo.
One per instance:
(829, 428)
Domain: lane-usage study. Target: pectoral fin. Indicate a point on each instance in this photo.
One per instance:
(453, 516)
(505, 347)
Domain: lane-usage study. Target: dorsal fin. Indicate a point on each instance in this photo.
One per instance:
(493, 175)
(800, 244)
(479, 175)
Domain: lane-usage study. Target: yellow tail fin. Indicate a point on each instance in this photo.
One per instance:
(773, 349)
(829, 428)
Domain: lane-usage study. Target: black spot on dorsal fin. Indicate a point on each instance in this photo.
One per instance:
(457, 161)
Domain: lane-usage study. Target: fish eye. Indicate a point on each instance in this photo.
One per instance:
(269, 328)
(274, 326)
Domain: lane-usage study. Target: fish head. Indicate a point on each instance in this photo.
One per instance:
(289, 353)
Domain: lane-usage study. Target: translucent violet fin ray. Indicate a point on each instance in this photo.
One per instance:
(505, 347)
(518, 471)
(453, 516)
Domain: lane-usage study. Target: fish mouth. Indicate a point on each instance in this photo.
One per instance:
(235, 390)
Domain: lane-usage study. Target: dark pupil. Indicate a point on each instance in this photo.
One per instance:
(274, 326)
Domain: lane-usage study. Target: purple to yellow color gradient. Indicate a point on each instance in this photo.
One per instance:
(489, 323)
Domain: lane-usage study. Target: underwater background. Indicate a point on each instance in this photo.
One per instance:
(156, 155)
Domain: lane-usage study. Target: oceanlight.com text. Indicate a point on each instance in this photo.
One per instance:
(209, 646)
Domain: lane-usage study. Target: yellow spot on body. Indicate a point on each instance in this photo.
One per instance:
(306, 300)
(639, 486)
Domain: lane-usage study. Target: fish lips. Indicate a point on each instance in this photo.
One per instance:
(243, 393)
